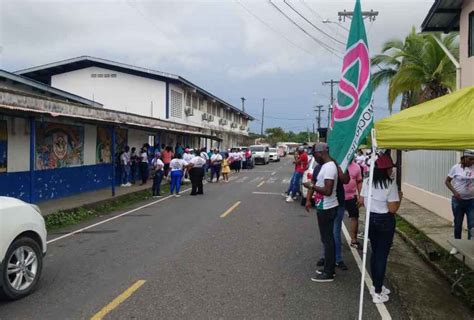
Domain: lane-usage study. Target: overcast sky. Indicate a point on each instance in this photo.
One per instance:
(234, 49)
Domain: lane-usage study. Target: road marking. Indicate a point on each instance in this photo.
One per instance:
(271, 180)
(273, 173)
(382, 309)
(230, 209)
(285, 181)
(256, 192)
(260, 184)
(117, 301)
(112, 218)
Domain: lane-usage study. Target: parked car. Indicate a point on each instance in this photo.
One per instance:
(260, 153)
(307, 176)
(273, 154)
(22, 247)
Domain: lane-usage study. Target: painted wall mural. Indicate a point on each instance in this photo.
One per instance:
(58, 145)
(3, 146)
(104, 143)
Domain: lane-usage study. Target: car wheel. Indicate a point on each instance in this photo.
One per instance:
(21, 268)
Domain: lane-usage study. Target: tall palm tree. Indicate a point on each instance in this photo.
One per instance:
(417, 69)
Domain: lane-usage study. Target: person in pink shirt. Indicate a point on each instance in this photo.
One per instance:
(352, 191)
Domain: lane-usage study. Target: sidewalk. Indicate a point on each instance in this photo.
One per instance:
(89, 198)
(433, 226)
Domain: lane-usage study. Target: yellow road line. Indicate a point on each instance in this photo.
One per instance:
(230, 209)
(117, 301)
(260, 184)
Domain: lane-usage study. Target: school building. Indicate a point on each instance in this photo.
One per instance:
(63, 125)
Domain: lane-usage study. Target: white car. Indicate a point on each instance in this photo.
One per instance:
(22, 247)
(260, 154)
(307, 176)
(273, 154)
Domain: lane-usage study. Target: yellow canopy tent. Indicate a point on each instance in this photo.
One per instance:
(445, 123)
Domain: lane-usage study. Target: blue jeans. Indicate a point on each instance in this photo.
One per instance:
(461, 208)
(291, 183)
(337, 234)
(125, 174)
(295, 183)
(176, 177)
(157, 182)
(381, 231)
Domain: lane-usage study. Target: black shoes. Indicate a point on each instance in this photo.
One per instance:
(341, 265)
(322, 277)
(320, 262)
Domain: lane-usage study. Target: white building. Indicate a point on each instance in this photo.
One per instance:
(149, 93)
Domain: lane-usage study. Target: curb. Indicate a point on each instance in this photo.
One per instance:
(426, 258)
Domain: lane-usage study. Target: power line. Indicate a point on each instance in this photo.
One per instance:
(324, 45)
(312, 24)
(273, 29)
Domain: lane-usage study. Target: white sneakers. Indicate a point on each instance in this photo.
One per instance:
(289, 199)
(381, 297)
(453, 251)
(126, 184)
(177, 195)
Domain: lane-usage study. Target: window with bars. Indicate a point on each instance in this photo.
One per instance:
(195, 101)
(188, 99)
(176, 108)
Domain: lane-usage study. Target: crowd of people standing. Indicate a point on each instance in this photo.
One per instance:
(179, 164)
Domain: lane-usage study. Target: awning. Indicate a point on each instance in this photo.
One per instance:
(445, 123)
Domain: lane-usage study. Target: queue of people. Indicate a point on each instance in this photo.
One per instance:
(178, 165)
(333, 192)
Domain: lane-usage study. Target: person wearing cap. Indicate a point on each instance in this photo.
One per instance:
(301, 164)
(460, 181)
(157, 166)
(326, 204)
(385, 204)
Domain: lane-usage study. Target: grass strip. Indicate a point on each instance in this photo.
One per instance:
(65, 218)
(440, 259)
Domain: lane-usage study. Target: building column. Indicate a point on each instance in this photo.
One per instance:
(113, 138)
(32, 158)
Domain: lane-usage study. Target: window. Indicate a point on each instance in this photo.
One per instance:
(113, 75)
(188, 99)
(214, 109)
(195, 101)
(209, 107)
(176, 104)
(201, 104)
(470, 45)
(219, 112)
(93, 75)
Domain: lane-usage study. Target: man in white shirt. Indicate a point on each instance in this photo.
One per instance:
(326, 203)
(125, 164)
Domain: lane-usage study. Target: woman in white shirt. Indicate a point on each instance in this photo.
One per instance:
(385, 204)
(216, 160)
(157, 166)
(460, 181)
(177, 168)
(144, 171)
(196, 173)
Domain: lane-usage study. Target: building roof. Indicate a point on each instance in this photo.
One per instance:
(43, 74)
(443, 16)
(47, 89)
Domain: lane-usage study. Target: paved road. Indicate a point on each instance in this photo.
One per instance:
(254, 263)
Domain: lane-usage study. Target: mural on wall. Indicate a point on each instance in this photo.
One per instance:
(3, 145)
(58, 145)
(104, 143)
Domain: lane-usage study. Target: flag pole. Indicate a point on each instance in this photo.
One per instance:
(367, 221)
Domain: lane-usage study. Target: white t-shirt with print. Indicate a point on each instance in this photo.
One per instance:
(187, 157)
(463, 180)
(380, 197)
(328, 171)
(177, 164)
(197, 162)
(157, 164)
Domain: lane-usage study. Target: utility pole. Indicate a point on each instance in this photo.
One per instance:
(263, 116)
(332, 83)
(243, 104)
(366, 14)
(319, 110)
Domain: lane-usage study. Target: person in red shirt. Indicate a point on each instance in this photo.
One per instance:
(301, 164)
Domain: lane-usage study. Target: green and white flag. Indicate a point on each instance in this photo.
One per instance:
(352, 118)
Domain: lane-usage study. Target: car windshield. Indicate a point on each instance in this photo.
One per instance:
(257, 149)
(273, 150)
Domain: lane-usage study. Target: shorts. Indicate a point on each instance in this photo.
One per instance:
(351, 207)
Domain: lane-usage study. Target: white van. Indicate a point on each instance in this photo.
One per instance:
(260, 153)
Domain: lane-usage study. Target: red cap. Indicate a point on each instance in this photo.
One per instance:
(384, 162)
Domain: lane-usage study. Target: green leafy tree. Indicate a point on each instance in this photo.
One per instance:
(416, 69)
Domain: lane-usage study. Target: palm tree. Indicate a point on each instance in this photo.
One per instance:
(417, 69)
